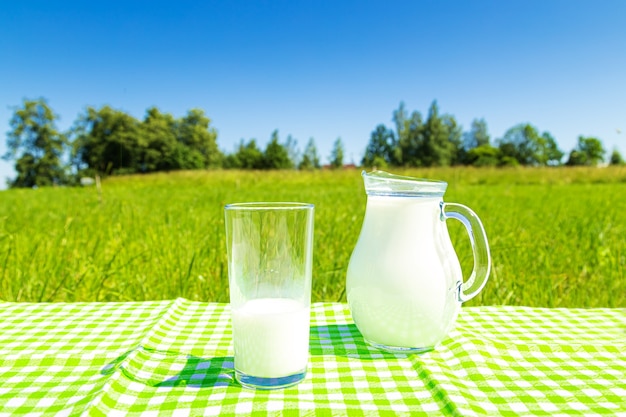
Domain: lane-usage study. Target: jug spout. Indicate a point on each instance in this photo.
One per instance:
(382, 183)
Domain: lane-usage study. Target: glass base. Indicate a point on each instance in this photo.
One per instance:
(256, 382)
(400, 349)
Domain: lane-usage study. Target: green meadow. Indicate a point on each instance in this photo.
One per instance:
(557, 235)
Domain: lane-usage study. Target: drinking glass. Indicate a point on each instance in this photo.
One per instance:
(270, 250)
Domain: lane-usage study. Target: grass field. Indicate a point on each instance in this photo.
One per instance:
(557, 235)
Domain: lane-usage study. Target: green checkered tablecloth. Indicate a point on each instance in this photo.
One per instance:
(175, 358)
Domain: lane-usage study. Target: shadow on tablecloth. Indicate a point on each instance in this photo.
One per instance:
(158, 368)
(345, 340)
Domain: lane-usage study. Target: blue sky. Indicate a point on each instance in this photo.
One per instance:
(323, 69)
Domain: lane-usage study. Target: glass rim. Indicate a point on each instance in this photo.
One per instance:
(269, 205)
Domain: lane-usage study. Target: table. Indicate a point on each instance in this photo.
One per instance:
(174, 358)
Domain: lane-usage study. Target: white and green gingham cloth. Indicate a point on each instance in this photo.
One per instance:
(174, 358)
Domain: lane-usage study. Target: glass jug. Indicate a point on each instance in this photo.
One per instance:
(404, 283)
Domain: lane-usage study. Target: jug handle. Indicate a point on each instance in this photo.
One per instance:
(480, 248)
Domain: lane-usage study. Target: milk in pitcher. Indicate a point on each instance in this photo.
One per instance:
(401, 287)
(404, 282)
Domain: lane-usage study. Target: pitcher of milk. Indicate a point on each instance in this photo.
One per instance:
(404, 283)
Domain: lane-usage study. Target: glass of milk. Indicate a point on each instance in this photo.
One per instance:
(270, 254)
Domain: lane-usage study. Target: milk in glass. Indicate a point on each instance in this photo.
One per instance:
(271, 337)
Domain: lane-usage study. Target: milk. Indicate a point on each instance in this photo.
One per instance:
(271, 337)
(402, 281)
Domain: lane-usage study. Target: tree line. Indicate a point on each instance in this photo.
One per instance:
(438, 140)
(107, 141)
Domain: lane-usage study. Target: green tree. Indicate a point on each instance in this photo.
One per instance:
(524, 144)
(434, 142)
(549, 150)
(483, 155)
(409, 137)
(247, 156)
(336, 154)
(37, 144)
(310, 158)
(478, 135)
(160, 150)
(616, 158)
(276, 155)
(231, 160)
(588, 151)
(400, 119)
(108, 141)
(455, 139)
(441, 139)
(381, 148)
(194, 131)
(517, 143)
(291, 145)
